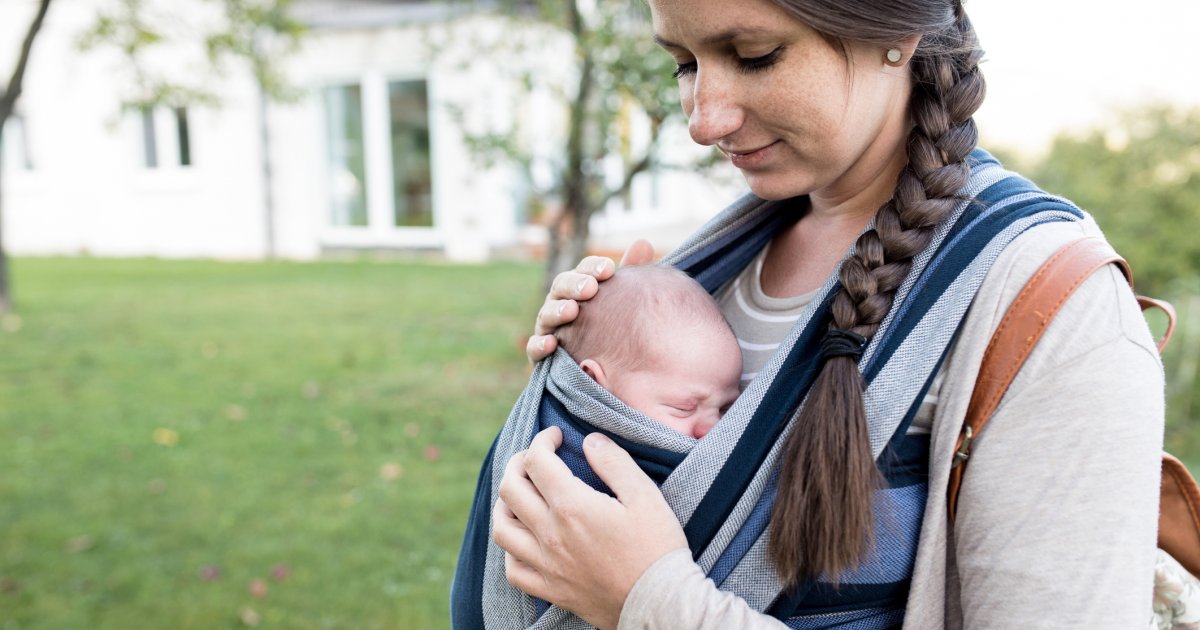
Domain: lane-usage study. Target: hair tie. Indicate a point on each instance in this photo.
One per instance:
(838, 342)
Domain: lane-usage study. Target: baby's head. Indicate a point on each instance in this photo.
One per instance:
(655, 338)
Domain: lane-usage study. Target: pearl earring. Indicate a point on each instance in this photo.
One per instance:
(893, 55)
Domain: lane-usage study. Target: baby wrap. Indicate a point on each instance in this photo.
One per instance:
(722, 487)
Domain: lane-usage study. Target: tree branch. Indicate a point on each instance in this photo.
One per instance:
(632, 171)
(8, 100)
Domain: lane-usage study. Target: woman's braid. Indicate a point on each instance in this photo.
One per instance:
(822, 521)
(946, 92)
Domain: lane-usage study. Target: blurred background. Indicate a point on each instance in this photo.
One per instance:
(269, 266)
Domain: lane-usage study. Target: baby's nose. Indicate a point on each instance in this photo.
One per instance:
(702, 427)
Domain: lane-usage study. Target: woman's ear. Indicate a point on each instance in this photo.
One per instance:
(593, 369)
(903, 51)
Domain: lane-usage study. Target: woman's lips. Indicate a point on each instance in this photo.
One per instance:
(752, 158)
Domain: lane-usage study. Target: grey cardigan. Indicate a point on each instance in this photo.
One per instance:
(1058, 512)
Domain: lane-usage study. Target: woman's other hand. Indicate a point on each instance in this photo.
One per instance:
(571, 287)
(571, 545)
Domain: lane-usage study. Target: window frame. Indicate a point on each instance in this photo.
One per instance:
(380, 230)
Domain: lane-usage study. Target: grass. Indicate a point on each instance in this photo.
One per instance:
(173, 432)
(213, 445)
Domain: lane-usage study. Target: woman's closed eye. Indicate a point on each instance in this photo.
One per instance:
(758, 64)
(684, 68)
(747, 65)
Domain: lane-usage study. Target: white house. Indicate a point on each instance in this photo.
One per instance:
(371, 157)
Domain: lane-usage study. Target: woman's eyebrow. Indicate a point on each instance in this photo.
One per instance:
(717, 38)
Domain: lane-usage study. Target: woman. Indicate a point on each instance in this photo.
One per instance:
(853, 119)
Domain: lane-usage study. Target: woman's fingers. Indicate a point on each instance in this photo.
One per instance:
(519, 497)
(549, 475)
(641, 252)
(512, 536)
(619, 472)
(555, 313)
(571, 545)
(540, 346)
(524, 577)
(572, 285)
(598, 267)
(634, 490)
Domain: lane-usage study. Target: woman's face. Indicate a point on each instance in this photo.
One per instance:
(793, 113)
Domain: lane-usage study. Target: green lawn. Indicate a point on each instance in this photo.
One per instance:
(208, 445)
(171, 432)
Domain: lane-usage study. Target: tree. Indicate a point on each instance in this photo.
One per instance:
(254, 32)
(1140, 179)
(8, 101)
(619, 77)
(257, 32)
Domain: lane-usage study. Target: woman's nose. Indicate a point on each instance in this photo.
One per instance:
(712, 109)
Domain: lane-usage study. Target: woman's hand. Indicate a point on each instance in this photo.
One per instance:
(571, 287)
(571, 545)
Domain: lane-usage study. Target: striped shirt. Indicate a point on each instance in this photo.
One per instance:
(761, 322)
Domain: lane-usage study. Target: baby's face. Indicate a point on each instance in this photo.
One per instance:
(689, 385)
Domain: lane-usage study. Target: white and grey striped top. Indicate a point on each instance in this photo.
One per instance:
(761, 321)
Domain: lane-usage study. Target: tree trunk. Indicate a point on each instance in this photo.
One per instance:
(574, 181)
(576, 245)
(5, 293)
(554, 248)
(8, 101)
(267, 175)
(567, 244)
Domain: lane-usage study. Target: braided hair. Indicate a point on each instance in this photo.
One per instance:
(822, 521)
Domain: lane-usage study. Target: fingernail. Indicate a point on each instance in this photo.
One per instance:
(601, 266)
(542, 345)
(597, 440)
(561, 307)
(582, 284)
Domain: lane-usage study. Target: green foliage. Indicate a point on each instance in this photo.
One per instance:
(615, 65)
(1141, 181)
(616, 78)
(257, 32)
(172, 431)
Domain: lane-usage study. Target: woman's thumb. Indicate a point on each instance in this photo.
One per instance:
(617, 469)
(641, 252)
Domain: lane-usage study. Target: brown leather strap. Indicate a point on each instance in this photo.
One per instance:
(1023, 324)
(1164, 306)
(1179, 514)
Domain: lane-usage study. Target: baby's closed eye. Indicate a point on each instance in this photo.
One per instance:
(682, 409)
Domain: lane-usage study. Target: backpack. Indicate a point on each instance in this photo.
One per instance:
(1023, 324)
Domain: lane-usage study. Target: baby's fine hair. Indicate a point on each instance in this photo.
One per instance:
(617, 327)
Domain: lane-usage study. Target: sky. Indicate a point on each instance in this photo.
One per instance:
(1068, 64)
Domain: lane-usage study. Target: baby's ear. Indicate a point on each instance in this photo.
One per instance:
(593, 369)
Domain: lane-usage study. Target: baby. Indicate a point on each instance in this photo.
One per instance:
(655, 338)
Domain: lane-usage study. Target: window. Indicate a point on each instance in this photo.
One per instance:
(14, 147)
(164, 135)
(413, 198)
(346, 158)
(149, 139)
(378, 155)
(183, 137)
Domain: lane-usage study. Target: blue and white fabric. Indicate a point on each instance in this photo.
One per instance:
(722, 487)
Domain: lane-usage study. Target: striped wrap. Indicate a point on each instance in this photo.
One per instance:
(721, 487)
